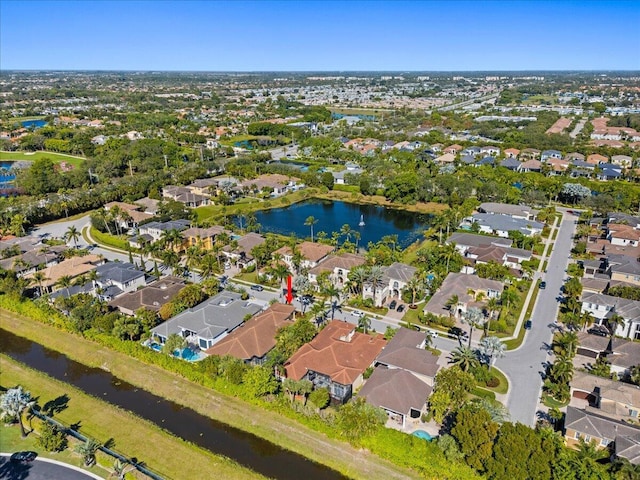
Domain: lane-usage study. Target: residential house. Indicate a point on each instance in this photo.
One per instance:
(311, 254)
(453, 149)
(129, 216)
(468, 159)
(572, 157)
(596, 159)
(490, 151)
(624, 218)
(115, 278)
(398, 392)
(395, 279)
(620, 234)
(510, 163)
(609, 172)
(203, 186)
(209, 322)
(557, 166)
(516, 211)
(512, 152)
(336, 359)
(611, 398)
(506, 256)
(622, 160)
(471, 291)
(255, 338)
(486, 161)
(471, 151)
(464, 241)
(548, 154)
(530, 166)
(530, 154)
(240, 253)
(602, 307)
(338, 268)
(27, 263)
(152, 297)
(501, 225)
(275, 183)
(591, 427)
(445, 159)
(72, 267)
(184, 195)
(203, 237)
(155, 230)
(407, 351)
(623, 269)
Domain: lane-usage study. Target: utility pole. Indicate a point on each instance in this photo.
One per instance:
(166, 165)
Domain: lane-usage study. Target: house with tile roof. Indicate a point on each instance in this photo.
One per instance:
(596, 159)
(395, 279)
(591, 427)
(151, 297)
(530, 166)
(241, 255)
(336, 359)
(255, 338)
(406, 351)
(620, 234)
(338, 267)
(203, 237)
(501, 225)
(72, 267)
(512, 152)
(471, 290)
(602, 307)
(611, 398)
(312, 254)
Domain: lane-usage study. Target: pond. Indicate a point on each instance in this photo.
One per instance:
(34, 124)
(331, 215)
(6, 174)
(245, 448)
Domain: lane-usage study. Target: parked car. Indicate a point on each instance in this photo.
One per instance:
(257, 288)
(543, 285)
(357, 313)
(432, 333)
(23, 457)
(392, 305)
(400, 308)
(598, 330)
(458, 333)
(527, 325)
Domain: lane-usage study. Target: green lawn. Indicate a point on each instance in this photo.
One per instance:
(503, 387)
(551, 402)
(31, 156)
(109, 240)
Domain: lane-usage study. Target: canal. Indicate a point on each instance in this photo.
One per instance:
(332, 215)
(245, 448)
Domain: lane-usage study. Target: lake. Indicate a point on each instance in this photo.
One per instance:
(33, 124)
(6, 175)
(378, 221)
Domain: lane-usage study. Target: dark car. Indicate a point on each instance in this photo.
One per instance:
(400, 308)
(543, 285)
(23, 457)
(393, 305)
(599, 331)
(527, 325)
(257, 288)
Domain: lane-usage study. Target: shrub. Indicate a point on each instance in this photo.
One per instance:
(51, 438)
(493, 382)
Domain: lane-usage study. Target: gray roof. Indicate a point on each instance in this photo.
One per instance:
(170, 225)
(459, 284)
(400, 271)
(628, 447)
(510, 163)
(629, 309)
(473, 240)
(211, 319)
(406, 350)
(597, 426)
(506, 209)
(623, 264)
(618, 217)
(395, 390)
(506, 223)
(121, 272)
(468, 159)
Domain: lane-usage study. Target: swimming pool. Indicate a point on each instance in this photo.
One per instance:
(424, 435)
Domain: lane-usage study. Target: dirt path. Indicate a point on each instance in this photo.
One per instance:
(281, 430)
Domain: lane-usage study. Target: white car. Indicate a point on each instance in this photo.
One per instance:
(432, 333)
(357, 313)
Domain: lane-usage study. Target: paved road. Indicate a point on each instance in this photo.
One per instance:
(578, 128)
(40, 470)
(524, 367)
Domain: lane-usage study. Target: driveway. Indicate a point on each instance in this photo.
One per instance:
(525, 366)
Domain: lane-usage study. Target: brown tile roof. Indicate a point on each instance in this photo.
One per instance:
(596, 158)
(256, 337)
(395, 390)
(626, 232)
(337, 351)
(345, 261)
(151, 297)
(73, 267)
(123, 206)
(195, 232)
(406, 350)
(313, 252)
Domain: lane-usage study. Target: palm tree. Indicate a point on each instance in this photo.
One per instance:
(508, 297)
(452, 302)
(39, 277)
(121, 468)
(358, 276)
(375, 279)
(208, 266)
(492, 348)
(72, 233)
(613, 322)
(14, 402)
(171, 238)
(88, 451)
(566, 344)
(414, 285)
(364, 323)
(310, 222)
(356, 236)
(474, 318)
(64, 282)
(562, 370)
(317, 310)
(345, 231)
(464, 357)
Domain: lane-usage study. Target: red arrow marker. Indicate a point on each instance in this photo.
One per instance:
(289, 296)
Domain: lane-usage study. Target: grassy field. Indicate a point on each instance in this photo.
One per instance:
(281, 430)
(133, 436)
(31, 156)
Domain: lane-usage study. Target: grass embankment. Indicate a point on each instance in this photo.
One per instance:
(109, 240)
(31, 156)
(133, 436)
(279, 429)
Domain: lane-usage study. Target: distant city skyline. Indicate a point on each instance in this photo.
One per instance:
(320, 36)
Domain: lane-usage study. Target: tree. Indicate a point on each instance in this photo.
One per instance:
(492, 348)
(475, 319)
(88, 451)
(39, 277)
(14, 402)
(375, 279)
(64, 282)
(72, 234)
(310, 222)
(561, 371)
(357, 419)
(319, 398)
(565, 344)
(451, 303)
(465, 358)
(259, 381)
(51, 438)
(414, 285)
(174, 342)
(475, 433)
(291, 337)
(614, 322)
(364, 323)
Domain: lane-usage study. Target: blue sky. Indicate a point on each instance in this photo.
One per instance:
(320, 35)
